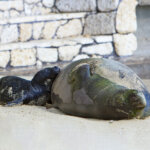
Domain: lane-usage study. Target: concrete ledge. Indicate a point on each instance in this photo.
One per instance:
(56, 42)
(36, 43)
(41, 18)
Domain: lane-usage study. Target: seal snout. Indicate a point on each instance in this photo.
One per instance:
(51, 72)
(137, 100)
(55, 71)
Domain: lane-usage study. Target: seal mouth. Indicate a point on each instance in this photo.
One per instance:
(134, 104)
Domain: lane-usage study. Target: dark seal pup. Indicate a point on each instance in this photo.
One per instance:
(15, 90)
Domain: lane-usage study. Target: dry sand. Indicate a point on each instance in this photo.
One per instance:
(35, 128)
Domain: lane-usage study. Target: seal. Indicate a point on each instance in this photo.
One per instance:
(100, 88)
(15, 90)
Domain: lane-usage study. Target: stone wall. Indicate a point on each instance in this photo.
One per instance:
(37, 32)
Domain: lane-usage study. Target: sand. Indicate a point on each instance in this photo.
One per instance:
(37, 128)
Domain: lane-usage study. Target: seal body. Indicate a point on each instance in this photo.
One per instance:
(15, 90)
(100, 88)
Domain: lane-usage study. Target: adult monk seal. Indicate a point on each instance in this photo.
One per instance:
(100, 88)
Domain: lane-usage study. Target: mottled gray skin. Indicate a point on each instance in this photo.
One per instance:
(15, 90)
(100, 88)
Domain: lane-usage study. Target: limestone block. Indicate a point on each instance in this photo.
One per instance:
(107, 5)
(28, 9)
(82, 40)
(6, 14)
(50, 29)
(24, 57)
(72, 28)
(39, 64)
(48, 3)
(39, 4)
(25, 32)
(47, 54)
(31, 1)
(4, 58)
(144, 2)
(101, 23)
(66, 53)
(7, 5)
(37, 30)
(125, 44)
(1, 15)
(45, 11)
(100, 49)
(40, 10)
(9, 34)
(126, 17)
(1, 27)
(14, 13)
(103, 38)
(76, 5)
(81, 56)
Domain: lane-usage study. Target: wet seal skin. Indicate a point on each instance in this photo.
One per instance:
(100, 88)
(15, 90)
